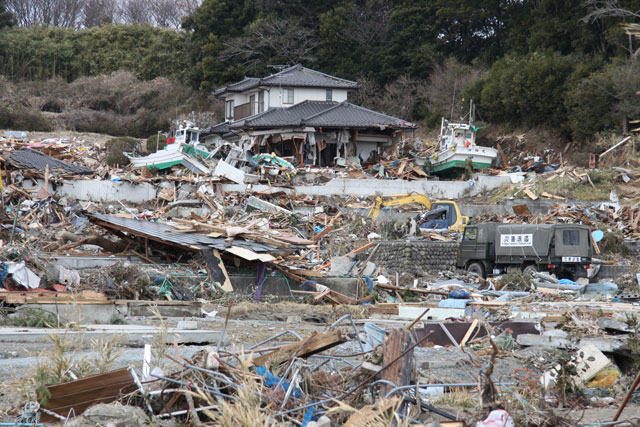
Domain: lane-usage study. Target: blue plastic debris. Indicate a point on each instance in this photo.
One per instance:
(271, 380)
(459, 295)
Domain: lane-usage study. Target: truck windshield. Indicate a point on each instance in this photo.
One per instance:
(570, 237)
(470, 233)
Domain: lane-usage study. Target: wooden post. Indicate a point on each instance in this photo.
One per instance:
(146, 247)
(400, 373)
(46, 178)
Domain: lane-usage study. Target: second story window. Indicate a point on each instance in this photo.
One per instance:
(252, 101)
(329, 94)
(287, 96)
(229, 110)
(260, 101)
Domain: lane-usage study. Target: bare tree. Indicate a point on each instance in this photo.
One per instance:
(400, 97)
(442, 93)
(367, 23)
(281, 40)
(135, 11)
(23, 12)
(61, 13)
(606, 8)
(170, 13)
(99, 12)
(369, 95)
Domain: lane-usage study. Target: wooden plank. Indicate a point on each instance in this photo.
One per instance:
(551, 196)
(399, 373)
(469, 332)
(530, 194)
(249, 255)
(316, 343)
(505, 164)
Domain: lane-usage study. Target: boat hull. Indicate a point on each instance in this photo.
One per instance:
(449, 160)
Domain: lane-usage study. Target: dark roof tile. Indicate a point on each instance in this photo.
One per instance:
(295, 76)
(321, 114)
(26, 158)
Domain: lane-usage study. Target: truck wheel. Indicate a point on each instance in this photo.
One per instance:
(530, 269)
(477, 268)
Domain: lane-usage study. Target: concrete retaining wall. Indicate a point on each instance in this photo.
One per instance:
(381, 187)
(416, 257)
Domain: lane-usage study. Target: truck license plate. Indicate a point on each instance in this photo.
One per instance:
(571, 259)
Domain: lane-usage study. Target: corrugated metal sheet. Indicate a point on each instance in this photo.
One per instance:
(167, 233)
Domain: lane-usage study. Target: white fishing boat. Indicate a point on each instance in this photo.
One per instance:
(456, 144)
(181, 149)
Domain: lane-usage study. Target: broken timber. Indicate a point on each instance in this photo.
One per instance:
(316, 343)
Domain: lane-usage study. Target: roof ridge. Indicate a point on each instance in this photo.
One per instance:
(336, 105)
(360, 107)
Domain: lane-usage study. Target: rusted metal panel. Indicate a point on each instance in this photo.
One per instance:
(459, 329)
(80, 394)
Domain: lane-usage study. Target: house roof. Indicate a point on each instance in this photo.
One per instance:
(321, 114)
(295, 76)
(26, 158)
(219, 129)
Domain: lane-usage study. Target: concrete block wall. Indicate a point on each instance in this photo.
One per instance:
(417, 257)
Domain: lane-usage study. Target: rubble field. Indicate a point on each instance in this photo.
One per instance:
(134, 295)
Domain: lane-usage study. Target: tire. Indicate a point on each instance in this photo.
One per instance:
(530, 269)
(477, 268)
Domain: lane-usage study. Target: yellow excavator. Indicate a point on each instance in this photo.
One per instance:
(447, 210)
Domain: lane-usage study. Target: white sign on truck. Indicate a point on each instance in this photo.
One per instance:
(513, 240)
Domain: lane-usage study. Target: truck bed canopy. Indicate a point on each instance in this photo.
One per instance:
(524, 239)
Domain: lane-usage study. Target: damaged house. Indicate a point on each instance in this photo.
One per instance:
(304, 114)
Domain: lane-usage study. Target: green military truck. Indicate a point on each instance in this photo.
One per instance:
(493, 248)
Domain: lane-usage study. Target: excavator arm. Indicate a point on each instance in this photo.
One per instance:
(397, 200)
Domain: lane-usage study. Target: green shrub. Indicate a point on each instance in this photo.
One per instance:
(159, 141)
(116, 147)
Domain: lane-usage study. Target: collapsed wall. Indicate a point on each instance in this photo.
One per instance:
(417, 257)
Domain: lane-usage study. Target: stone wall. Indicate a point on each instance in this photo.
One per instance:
(419, 257)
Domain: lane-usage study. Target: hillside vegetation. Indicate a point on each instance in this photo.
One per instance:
(570, 66)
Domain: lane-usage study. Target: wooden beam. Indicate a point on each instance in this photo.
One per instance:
(316, 343)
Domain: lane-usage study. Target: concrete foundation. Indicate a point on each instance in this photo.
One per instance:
(105, 313)
(278, 285)
(131, 335)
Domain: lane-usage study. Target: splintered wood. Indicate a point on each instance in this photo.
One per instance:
(316, 343)
(400, 373)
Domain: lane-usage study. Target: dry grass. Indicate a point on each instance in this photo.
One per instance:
(252, 309)
(457, 398)
(387, 418)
